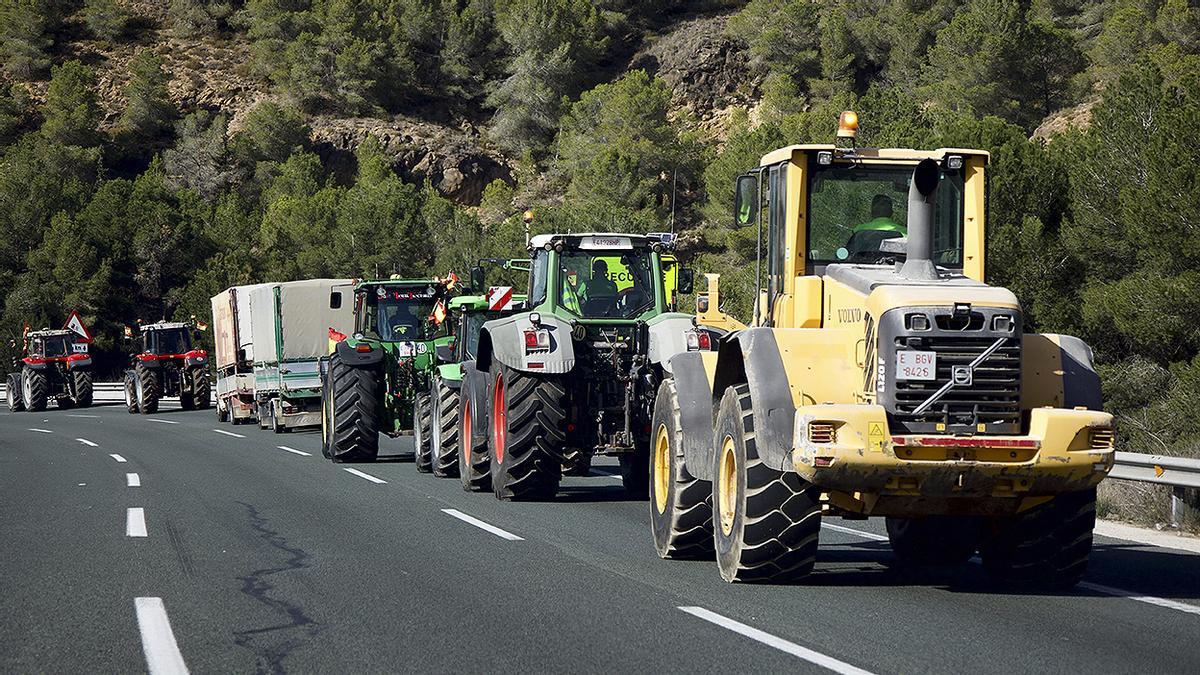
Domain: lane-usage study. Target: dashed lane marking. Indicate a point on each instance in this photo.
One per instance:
(90, 417)
(849, 530)
(360, 474)
(135, 522)
(813, 657)
(41, 431)
(155, 419)
(293, 450)
(88, 443)
(133, 480)
(118, 458)
(503, 534)
(158, 642)
(228, 433)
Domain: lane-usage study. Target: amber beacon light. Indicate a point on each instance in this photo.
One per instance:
(848, 124)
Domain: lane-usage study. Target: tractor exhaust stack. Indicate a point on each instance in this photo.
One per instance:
(918, 264)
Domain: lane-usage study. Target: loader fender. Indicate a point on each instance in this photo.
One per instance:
(695, 412)
(752, 356)
(504, 340)
(1057, 371)
(1081, 384)
(355, 359)
(668, 337)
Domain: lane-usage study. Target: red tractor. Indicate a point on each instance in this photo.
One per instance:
(167, 365)
(55, 366)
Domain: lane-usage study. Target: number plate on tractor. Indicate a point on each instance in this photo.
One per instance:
(912, 365)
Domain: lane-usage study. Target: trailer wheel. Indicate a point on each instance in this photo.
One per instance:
(681, 504)
(201, 389)
(276, 406)
(528, 433)
(354, 412)
(83, 388)
(473, 465)
(131, 396)
(1047, 546)
(444, 448)
(766, 522)
(422, 430)
(148, 389)
(938, 540)
(34, 389)
(16, 401)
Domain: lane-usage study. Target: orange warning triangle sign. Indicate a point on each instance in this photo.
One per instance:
(75, 325)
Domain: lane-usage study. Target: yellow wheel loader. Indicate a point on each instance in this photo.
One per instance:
(880, 376)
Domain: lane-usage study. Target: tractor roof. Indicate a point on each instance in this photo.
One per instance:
(165, 325)
(896, 154)
(599, 241)
(396, 281)
(51, 332)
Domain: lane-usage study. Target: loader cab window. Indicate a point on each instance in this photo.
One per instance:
(607, 284)
(853, 208)
(776, 231)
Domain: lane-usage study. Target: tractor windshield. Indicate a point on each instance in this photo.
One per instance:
(168, 341)
(55, 346)
(400, 314)
(472, 327)
(607, 285)
(852, 209)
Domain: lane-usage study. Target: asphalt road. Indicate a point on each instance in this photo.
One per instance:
(260, 559)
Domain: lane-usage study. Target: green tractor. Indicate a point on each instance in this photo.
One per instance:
(576, 373)
(377, 380)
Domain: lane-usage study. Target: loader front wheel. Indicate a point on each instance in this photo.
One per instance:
(1046, 547)
(444, 446)
(528, 433)
(354, 413)
(680, 504)
(944, 540)
(422, 426)
(766, 522)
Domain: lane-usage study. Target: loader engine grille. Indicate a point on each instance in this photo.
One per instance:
(975, 384)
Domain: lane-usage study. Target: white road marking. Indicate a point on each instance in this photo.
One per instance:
(158, 642)
(88, 443)
(135, 522)
(82, 484)
(228, 433)
(118, 458)
(94, 417)
(1098, 588)
(503, 534)
(360, 474)
(155, 419)
(41, 431)
(293, 451)
(133, 480)
(813, 657)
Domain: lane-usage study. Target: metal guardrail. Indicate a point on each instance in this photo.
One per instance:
(1172, 471)
(105, 392)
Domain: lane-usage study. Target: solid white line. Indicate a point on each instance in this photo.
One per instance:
(293, 451)
(153, 419)
(1141, 535)
(816, 658)
(158, 642)
(850, 530)
(95, 417)
(88, 443)
(368, 476)
(118, 458)
(228, 433)
(133, 480)
(503, 534)
(135, 522)
(41, 431)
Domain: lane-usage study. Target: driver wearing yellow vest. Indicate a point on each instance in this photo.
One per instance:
(881, 218)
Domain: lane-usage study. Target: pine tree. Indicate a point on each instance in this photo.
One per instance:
(148, 109)
(71, 112)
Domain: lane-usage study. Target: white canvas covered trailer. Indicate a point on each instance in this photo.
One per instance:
(233, 338)
(291, 324)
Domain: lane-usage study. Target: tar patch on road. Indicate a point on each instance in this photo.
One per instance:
(272, 644)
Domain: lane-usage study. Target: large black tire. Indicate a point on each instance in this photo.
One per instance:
(34, 389)
(201, 389)
(1045, 547)
(422, 432)
(473, 464)
(16, 402)
(186, 400)
(83, 388)
(577, 462)
(528, 433)
(944, 540)
(766, 522)
(148, 389)
(129, 384)
(635, 471)
(680, 504)
(64, 401)
(444, 444)
(327, 415)
(355, 412)
(276, 425)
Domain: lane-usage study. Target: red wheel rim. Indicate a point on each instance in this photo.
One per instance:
(466, 439)
(499, 419)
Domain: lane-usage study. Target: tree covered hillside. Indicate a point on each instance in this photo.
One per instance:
(155, 153)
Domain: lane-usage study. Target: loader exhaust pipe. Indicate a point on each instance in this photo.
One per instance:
(918, 263)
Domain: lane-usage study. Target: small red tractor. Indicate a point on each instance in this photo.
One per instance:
(55, 366)
(166, 364)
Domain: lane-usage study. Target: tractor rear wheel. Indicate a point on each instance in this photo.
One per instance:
(445, 430)
(34, 389)
(767, 522)
(354, 412)
(422, 430)
(201, 389)
(577, 462)
(129, 384)
(939, 540)
(186, 400)
(83, 388)
(1047, 546)
(16, 402)
(473, 466)
(148, 389)
(681, 504)
(528, 433)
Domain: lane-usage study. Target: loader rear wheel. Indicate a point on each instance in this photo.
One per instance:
(83, 388)
(1047, 546)
(528, 433)
(422, 426)
(354, 413)
(34, 389)
(444, 445)
(148, 389)
(201, 389)
(942, 540)
(767, 522)
(681, 504)
(473, 465)
(16, 402)
(131, 397)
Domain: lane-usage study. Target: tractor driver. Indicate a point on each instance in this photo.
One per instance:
(881, 218)
(401, 321)
(599, 286)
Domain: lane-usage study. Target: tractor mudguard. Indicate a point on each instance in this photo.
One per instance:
(356, 359)
(752, 356)
(695, 412)
(668, 337)
(475, 385)
(150, 363)
(79, 364)
(35, 366)
(504, 341)
(451, 374)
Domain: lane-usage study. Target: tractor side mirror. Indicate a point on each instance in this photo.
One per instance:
(445, 353)
(478, 282)
(687, 280)
(746, 201)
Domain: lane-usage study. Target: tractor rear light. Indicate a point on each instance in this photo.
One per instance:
(822, 432)
(537, 339)
(362, 348)
(698, 340)
(1102, 439)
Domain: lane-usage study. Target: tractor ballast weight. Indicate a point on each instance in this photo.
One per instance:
(56, 366)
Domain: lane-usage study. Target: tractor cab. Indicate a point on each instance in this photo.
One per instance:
(166, 339)
(400, 311)
(53, 345)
